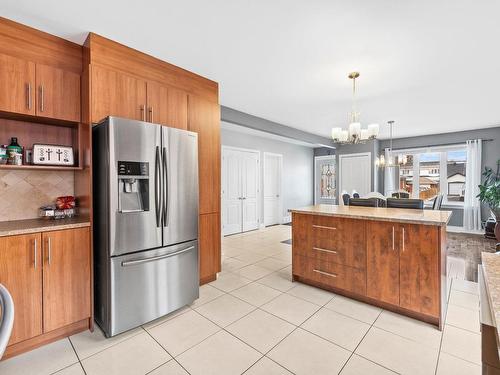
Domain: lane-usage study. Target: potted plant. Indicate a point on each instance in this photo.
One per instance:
(489, 193)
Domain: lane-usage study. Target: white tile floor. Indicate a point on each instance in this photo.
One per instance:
(255, 320)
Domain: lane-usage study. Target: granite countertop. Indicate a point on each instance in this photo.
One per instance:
(491, 272)
(403, 215)
(16, 227)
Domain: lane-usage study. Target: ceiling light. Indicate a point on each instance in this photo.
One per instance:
(354, 134)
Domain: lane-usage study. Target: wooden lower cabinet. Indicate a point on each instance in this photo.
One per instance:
(49, 277)
(66, 277)
(382, 261)
(419, 268)
(394, 265)
(209, 247)
(21, 274)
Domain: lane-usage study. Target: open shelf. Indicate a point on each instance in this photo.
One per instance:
(40, 167)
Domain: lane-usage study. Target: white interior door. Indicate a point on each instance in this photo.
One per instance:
(355, 173)
(272, 188)
(240, 190)
(231, 193)
(250, 184)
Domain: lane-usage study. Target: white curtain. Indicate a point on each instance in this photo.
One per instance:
(472, 207)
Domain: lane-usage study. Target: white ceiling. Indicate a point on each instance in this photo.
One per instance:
(431, 65)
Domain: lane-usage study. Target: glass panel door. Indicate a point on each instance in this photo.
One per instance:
(325, 184)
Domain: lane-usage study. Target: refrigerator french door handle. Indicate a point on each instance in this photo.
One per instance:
(152, 259)
(158, 197)
(166, 192)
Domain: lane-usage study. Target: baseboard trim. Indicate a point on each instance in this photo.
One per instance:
(454, 229)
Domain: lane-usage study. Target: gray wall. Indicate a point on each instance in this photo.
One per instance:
(234, 116)
(298, 175)
(370, 146)
(490, 155)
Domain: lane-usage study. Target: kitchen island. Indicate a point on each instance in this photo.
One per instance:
(388, 257)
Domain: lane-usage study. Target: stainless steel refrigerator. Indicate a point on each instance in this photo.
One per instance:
(145, 184)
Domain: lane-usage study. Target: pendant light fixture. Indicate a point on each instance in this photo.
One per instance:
(391, 161)
(355, 134)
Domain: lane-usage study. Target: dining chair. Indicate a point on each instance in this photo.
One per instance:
(6, 318)
(405, 203)
(363, 202)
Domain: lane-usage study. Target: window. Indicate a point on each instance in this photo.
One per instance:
(429, 176)
(440, 170)
(406, 174)
(455, 176)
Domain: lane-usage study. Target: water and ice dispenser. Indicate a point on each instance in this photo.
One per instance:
(133, 186)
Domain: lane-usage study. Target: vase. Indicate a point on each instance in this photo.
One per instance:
(496, 213)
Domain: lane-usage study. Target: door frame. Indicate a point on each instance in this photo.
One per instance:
(316, 159)
(369, 154)
(280, 189)
(223, 177)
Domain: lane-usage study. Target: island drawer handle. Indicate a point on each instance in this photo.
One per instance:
(325, 250)
(323, 227)
(325, 273)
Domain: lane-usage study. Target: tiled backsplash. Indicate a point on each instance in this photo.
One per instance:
(23, 192)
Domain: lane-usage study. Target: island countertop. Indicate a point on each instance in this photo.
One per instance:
(491, 272)
(402, 215)
(17, 227)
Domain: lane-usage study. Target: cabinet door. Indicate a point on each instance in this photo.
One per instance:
(209, 242)
(58, 93)
(17, 88)
(66, 277)
(419, 268)
(117, 94)
(167, 106)
(204, 118)
(382, 261)
(21, 274)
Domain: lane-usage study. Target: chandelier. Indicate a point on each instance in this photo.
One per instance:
(391, 160)
(355, 134)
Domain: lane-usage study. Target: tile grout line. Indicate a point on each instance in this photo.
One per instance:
(171, 356)
(359, 343)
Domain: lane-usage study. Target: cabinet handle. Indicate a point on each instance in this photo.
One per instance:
(151, 114)
(28, 99)
(325, 250)
(42, 104)
(324, 273)
(35, 251)
(143, 113)
(392, 237)
(323, 227)
(50, 251)
(403, 239)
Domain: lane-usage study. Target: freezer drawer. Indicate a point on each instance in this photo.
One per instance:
(150, 284)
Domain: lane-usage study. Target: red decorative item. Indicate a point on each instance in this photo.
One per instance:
(64, 203)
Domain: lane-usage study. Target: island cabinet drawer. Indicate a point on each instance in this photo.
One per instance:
(339, 240)
(330, 274)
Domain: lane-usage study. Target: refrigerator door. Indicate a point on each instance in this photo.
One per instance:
(135, 186)
(180, 181)
(147, 285)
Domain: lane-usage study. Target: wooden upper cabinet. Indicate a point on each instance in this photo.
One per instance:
(167, 106)
(419, 268)
(58, 93)
(382, 268)
(17, 88)
(21, 274)
(204, 118)
(116, 94)
(66, 277)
